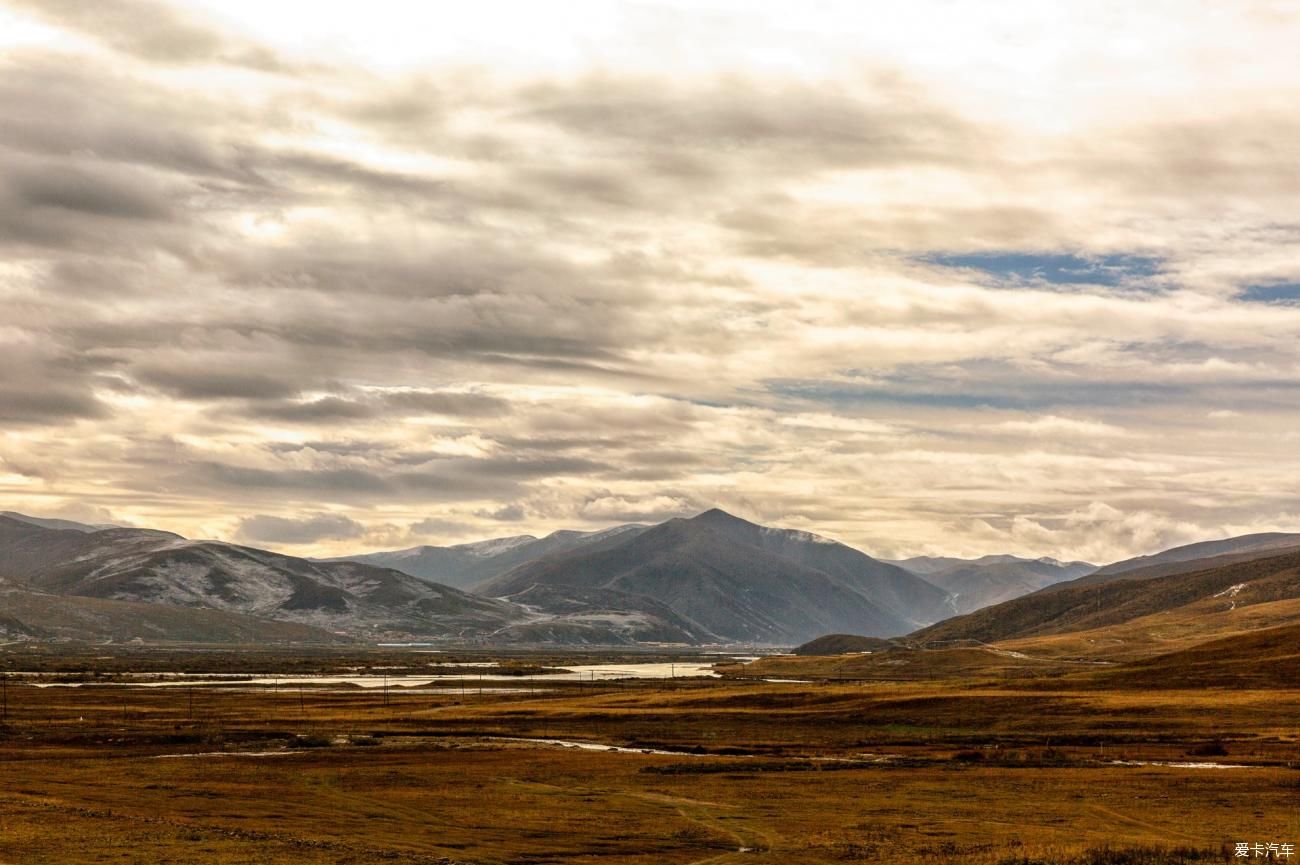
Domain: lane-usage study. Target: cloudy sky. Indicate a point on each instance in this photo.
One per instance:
(927, 277)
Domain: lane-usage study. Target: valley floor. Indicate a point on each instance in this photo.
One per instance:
(710, 770)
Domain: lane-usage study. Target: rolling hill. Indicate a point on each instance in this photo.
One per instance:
(844, 644)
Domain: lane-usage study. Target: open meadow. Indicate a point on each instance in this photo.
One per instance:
(987, 769)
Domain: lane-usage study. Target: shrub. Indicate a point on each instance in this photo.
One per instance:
(1128, 856)
(1215, 748)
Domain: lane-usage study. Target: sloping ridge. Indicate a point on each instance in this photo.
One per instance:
(733, 579)
(1073, 607)
(1190, 557)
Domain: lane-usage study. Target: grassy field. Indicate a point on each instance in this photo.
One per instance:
(960, 770)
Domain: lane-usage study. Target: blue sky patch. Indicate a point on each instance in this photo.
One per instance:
(1021, 395)
(1278, 292)
(1108, 270)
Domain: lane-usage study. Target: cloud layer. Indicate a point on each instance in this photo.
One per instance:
(1021, 292)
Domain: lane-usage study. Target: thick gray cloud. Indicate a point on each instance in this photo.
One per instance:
(41, 404)
(357, 405)
(465, 404)
(42, 384)
(203, 383)
(77, 189)
(264, 529)
(325, 409)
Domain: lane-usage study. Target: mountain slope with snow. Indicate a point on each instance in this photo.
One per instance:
(161, 568)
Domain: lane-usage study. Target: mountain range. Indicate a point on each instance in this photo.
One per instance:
(989, 580)
(706, 580)
(710, 579)
(968, 583)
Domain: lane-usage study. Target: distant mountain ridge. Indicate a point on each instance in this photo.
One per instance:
(924, 565)
(1196, 556)
(52, 523)
(989, 580)
(734, 580)
(465, 565)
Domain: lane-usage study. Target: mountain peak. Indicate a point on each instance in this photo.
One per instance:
(717, 516)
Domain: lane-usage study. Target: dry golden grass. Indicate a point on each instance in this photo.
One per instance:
(1073, 656)
(946, 771)
(905, 663)
(1172, 631)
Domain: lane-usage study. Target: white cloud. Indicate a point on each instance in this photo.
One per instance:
(1053, 426)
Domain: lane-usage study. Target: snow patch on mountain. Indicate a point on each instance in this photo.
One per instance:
(494, 546)
(1231, 591)
(798, 535)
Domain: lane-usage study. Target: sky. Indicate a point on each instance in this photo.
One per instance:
(929, 278)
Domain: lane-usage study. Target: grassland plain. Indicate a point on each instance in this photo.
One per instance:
(960, 769)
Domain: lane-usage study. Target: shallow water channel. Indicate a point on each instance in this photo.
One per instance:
(488, 672)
